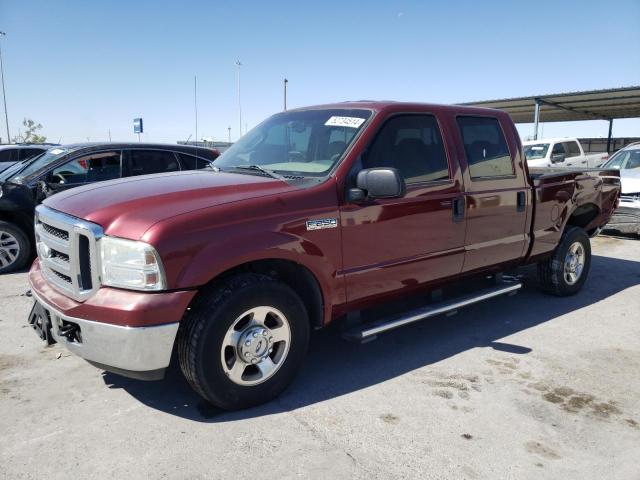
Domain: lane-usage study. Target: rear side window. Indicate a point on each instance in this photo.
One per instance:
(144, 162)
(413, 145)
(189, 162)
(96, 167)
(485, 147)
(572, 149)
(29, 152)
(6, 155)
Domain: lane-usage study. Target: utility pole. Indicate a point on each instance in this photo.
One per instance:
(229, 128)
(4, 95)
(239, 64)
(195, 104)
(285, 93)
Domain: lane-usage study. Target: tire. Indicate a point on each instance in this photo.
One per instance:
(219, 314)
(559, 274)
(15, 248)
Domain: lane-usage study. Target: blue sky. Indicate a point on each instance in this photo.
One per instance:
(82, 68)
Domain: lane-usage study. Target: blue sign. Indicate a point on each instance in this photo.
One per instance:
(137, 125)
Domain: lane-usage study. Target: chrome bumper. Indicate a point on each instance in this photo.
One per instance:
(140, 352)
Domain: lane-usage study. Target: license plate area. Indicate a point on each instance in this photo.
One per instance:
(40, 321)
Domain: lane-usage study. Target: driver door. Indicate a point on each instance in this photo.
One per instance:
(395, 246)
(85, 169)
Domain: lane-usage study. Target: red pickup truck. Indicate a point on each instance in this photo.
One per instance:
(315, 215)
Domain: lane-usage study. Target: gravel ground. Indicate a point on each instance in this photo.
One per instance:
(520, 387)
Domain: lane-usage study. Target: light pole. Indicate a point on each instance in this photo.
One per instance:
(4, 95)
(238, 64)
(285, 93)
(229, 128)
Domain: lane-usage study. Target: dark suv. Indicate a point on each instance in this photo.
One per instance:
(25, 184)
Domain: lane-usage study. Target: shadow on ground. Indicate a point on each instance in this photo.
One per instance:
(334, 367)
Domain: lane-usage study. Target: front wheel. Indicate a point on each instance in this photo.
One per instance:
(15, 249)
(242, 342)
(566, 271)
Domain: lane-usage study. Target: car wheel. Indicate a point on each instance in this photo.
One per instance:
(15, 248)
(566, 271)
(243, 341)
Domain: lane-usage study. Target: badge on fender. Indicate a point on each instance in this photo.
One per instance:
(322, 223)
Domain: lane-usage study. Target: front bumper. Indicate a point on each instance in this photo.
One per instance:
(138, 352)
(128, 333)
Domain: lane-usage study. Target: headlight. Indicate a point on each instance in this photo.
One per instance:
(130, 264)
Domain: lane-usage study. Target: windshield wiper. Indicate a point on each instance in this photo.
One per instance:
(258, 168)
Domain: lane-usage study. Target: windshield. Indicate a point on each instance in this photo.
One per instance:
(536, 152)
(301, 143)
(624, 160)
(34, 164)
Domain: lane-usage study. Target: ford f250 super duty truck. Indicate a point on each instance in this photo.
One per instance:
(314, 216)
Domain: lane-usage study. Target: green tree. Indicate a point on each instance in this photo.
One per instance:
(30, 133)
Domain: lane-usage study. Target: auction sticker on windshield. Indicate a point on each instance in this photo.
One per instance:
(352, 122)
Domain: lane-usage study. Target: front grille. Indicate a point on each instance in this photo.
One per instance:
(67, 251)
(56, 232)
(61, 276)
(62, 256)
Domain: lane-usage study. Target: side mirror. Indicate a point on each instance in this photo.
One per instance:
(42, 190)
(378, 183)
(557, 157)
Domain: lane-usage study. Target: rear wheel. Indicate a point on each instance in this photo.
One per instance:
(242, 343)
(15, 248)
(566, 271)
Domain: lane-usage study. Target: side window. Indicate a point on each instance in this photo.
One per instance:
(29, 152)
(633, 162)
(144, 162)
(485, 146)
(413, 145)
(572, 149)
(96, 167)
(6, 155)
(558, 148)
(189, 162)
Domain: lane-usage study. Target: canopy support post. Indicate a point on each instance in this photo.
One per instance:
(609, 137)
(536, 119)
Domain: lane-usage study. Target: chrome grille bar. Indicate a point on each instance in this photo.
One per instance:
(61, 244)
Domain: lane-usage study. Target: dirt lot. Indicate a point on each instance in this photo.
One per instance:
(528, 386)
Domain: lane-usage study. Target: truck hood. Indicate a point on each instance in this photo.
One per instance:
(630, 181)
(130, 206)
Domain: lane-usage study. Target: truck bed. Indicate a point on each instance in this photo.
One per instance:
(557, 193)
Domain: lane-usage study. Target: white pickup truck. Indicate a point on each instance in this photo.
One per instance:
(561, 152)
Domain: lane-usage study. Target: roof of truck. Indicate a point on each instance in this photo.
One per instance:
(379, 105)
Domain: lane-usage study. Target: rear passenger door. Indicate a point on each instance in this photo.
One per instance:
(394, 245)
(573, 156)
(497, 195)
(146, 161)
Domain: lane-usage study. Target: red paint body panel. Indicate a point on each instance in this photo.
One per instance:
(204, 223)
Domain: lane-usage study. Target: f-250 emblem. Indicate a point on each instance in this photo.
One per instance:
(322, 223)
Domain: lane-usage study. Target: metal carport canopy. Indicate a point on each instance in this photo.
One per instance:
(566, 107)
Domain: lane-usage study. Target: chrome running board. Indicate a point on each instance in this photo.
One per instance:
(368, 331)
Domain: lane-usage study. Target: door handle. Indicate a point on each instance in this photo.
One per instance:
(458, 209)
(521, 201)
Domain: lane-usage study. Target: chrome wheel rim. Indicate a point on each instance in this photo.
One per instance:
(574, 263)
(255, 346)
(9, 249)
